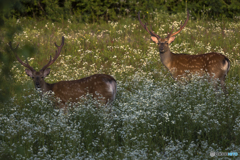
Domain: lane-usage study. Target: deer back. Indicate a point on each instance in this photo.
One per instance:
(100, 86)
(215, 64)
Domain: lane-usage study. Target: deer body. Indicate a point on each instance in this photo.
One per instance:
(180, 66)
(101, 86)
(96, 85)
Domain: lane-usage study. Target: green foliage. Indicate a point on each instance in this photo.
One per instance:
(156, 119)
(56, 10)
(5, 57)
(98, 10)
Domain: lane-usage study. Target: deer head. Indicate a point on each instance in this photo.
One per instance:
(163, 43)
(38, 77)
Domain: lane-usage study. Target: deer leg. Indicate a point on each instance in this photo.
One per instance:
(224, 87)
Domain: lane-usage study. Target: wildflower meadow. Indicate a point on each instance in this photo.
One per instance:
(153, 116)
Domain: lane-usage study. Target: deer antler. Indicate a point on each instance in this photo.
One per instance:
(145, 27)
(182, 26)
(59, 48)
(24, 64)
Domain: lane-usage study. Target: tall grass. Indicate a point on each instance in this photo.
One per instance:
(153, 116)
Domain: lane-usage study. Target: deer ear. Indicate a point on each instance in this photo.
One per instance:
(154, 39)
(171, 39)
(29, 72)
(46, 72)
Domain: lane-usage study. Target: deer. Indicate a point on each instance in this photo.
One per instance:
(181, 66)
(102, 87)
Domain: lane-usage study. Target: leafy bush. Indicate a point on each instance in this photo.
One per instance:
(97, 10)
(154, 120)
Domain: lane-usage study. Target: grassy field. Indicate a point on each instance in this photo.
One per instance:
(153, 117)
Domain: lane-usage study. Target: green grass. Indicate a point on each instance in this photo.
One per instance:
(153, 117)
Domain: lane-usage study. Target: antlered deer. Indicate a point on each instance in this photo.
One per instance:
(180, 66)
(98, 84)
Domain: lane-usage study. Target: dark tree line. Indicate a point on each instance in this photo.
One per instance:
(95, 10)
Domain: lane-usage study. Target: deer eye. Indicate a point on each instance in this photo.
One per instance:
(42, 77)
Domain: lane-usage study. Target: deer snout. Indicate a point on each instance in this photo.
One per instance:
(161, 49)
(37, 85)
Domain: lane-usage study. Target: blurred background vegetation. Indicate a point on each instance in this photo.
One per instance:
(7, 31)
(98, 10)
(5, 59)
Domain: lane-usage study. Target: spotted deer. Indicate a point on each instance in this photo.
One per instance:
(97, 85)
(181, 66)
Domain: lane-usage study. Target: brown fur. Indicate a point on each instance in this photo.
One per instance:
(101, 86)
(73, 90)
(183, 65)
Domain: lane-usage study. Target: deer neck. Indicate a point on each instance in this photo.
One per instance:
(166, 58)
(47, 87)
